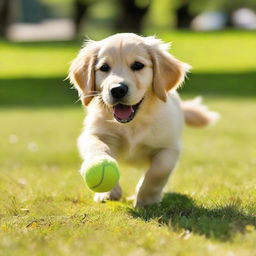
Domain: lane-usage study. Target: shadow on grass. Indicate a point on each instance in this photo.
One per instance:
(179, 211)
(221, 84)
(37, 92)
(33, 92)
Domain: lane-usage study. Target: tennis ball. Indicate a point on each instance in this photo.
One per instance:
(102, 176)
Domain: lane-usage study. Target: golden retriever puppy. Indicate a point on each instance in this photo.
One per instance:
(134, 115)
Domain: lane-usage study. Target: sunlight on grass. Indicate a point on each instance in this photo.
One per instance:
(209, 207)
(214, 52)
(217, 52)
(36, 59)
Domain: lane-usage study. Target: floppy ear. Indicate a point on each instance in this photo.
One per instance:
(168, 72)
(81, 72)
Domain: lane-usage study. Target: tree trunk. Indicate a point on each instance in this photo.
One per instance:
(130, 16)
(5, 13)
(80, 10)
(184, 17)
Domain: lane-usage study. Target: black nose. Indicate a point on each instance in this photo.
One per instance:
(119, 91)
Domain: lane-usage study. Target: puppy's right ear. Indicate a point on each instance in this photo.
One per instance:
(81, 72)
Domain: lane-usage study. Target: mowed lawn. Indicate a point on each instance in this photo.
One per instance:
(209, 207)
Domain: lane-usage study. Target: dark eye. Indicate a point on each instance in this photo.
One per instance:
(137, 66)
(105, 68)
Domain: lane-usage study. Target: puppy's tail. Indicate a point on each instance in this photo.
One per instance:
(196, 114)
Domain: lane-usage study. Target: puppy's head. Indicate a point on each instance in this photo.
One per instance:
(123, 70)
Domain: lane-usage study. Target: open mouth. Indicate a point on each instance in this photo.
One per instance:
(125, 113)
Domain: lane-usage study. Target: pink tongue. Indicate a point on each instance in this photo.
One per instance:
(123, 111)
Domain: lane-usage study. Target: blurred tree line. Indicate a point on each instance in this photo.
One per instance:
(133, 15)
(120, 15)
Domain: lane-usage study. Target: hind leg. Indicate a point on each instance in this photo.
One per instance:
(150, 187)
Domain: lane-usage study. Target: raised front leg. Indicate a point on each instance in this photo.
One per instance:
(150, 187)
(93, 149)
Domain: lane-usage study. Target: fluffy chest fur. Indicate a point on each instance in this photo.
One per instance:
(135, 143)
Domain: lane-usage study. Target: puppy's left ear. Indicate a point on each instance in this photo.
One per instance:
(168, 72)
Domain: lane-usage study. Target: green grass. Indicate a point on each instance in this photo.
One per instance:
(209, 207)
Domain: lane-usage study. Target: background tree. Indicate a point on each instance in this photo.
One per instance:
(80, 10)
(131, 14)
(5, 16)
(184, 16)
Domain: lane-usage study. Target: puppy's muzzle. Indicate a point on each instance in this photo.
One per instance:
(122, 111)
(120, 91)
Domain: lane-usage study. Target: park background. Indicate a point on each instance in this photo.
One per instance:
(209, 207)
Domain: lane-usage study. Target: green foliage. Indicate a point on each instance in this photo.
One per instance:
(143, 3)
(45, 208)
(160, 15)
(198, 6)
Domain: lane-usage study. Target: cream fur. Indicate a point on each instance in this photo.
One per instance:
(152, 140)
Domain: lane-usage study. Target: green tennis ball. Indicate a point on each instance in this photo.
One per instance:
(102, 176)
